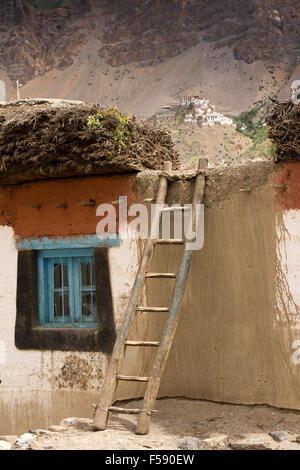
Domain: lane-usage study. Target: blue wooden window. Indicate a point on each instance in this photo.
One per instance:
(67, 288)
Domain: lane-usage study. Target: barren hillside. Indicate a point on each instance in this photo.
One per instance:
(142, 54)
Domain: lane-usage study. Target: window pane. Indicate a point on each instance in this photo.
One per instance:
(94, 274)
(57, 276)
(85, 274)
(58, 304)
(94, 305)
(61, 305)
(65, 274)
(86, 305)
(60, 274)
(88, 308)
(66, 305)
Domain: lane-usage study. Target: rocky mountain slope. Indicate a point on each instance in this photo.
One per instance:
(142, 54)
(156, 30)
(31, 43)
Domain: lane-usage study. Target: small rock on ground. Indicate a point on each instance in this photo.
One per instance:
(189, 443)
(57, 428)
(4, 445)
(279, 436)
(34, 445)
(216, 442)
(24, 441)
(252, 442)
(41, 432)
(81, 424)
(11, 439)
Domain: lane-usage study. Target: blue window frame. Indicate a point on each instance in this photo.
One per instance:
(67, 288)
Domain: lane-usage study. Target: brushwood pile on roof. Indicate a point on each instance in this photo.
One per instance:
(284, 130)
(48, 139)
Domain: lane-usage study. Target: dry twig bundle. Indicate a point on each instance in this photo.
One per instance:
(43, 141)
(284, 123)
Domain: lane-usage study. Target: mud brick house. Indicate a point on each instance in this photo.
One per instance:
(63, 290)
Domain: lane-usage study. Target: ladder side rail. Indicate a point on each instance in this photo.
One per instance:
(198, 191)
(164, 348)
(110, 381)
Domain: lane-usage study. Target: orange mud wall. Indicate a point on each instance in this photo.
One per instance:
(31, 208)
(288, 187)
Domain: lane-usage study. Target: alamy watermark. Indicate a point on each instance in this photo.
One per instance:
(139, 221)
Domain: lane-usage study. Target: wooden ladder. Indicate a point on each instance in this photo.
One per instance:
(153, 381)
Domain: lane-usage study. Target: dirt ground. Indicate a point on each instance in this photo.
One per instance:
(178, 418)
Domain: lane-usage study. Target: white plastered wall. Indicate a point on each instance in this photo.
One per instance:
(43, 369)
(288, 297)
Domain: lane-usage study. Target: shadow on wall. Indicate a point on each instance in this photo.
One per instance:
(22, 410)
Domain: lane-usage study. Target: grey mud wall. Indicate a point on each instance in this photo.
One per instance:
(238, 339)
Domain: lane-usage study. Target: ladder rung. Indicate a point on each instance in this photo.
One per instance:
(175, 209)
(169, 241)
(142, 343)
(132, 378)
(128, 411)
(161, 275)
(152, 309)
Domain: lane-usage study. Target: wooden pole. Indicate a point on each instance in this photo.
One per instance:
(19, 85)
(110, 381)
